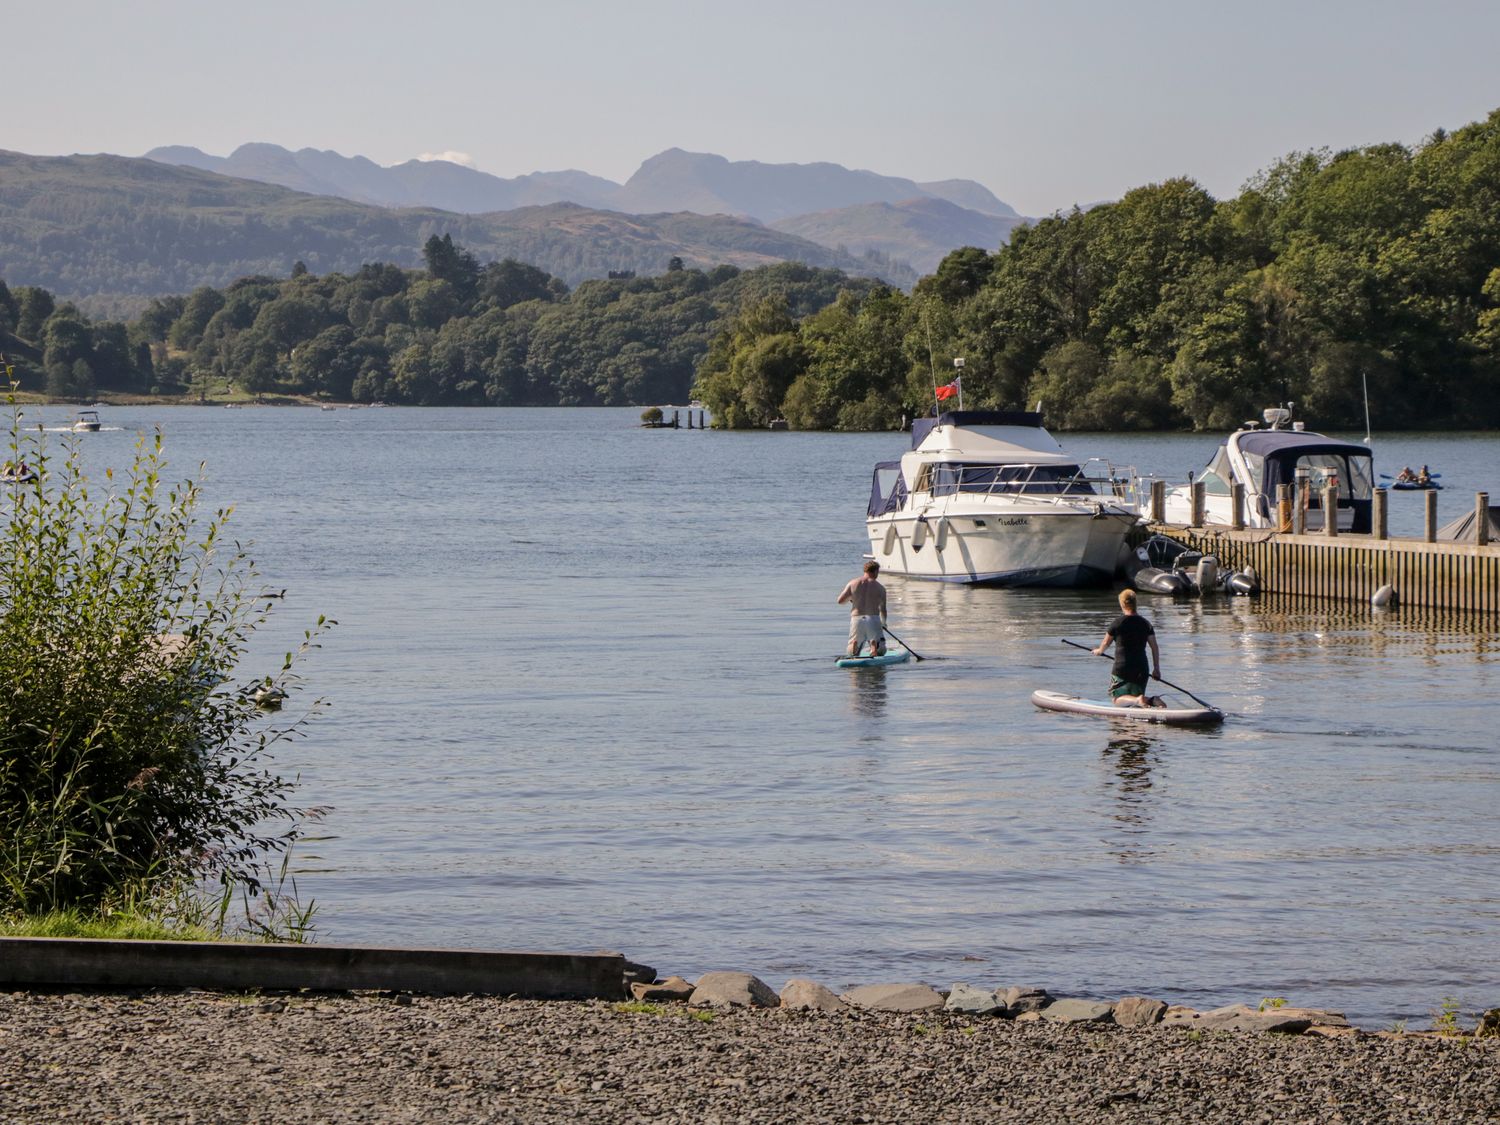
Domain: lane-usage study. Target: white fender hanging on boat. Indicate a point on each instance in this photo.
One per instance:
(890, 539)
(918, 534)
(940, 540)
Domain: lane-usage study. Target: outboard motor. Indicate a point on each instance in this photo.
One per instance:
(1207, 574)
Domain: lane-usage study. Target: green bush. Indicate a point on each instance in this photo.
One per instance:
(133, 767)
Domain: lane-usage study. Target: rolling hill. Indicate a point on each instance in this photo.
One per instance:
(901, 217)
(918, 231)
(111, 226)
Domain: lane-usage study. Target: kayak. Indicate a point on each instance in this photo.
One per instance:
(1181, 716)
(892, 656)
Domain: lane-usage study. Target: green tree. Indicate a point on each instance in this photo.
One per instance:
(34, 306)
(199, 308)
(10, 309)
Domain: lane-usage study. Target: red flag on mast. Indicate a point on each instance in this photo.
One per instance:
(947, 391)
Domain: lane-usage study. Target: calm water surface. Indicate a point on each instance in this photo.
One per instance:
(583, 698)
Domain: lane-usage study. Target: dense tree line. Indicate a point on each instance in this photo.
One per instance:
(457, 333)
(1169, 309)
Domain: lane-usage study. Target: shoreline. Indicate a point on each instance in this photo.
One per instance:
(397, 1057)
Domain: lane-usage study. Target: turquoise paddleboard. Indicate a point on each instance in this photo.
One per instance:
(892, 656)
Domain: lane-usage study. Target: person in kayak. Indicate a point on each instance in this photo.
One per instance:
(866, 598)
(1131, 673)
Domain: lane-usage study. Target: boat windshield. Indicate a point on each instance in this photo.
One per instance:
(1351, 473)
(1217, 477)
(949, 478)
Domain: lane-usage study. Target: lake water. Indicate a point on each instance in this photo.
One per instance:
(582, 697)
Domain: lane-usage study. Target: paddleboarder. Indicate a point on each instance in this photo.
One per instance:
(1131, 672)
(866, 598)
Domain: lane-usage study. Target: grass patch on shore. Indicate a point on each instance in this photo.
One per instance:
(638, 1008)
(76, 924)
(648, 1008)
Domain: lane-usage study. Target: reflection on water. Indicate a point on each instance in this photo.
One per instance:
(869, 691)
(1131, 759)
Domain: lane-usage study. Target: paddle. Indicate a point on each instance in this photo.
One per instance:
(902, 643)
(1159, 680)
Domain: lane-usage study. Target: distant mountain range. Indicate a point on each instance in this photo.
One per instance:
(109, 228)
(837, 207)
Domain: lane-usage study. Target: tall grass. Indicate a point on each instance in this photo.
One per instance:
(134, 759)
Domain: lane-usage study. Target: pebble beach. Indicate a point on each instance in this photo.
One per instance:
(201, 1056)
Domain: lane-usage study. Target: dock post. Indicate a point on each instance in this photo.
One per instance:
(1299, 508)
(1283, 507)
(1199, 490)
(1330, 510)
(1429, 519)
(1380, 514)
(1237, 506)
(1158, 501)
(1481, 518)
(676, 421)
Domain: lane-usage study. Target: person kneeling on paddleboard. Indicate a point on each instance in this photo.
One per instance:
(1131, 673)
(866, 598)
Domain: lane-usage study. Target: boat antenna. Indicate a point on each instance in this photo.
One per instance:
(1364, 383)
(931, 365)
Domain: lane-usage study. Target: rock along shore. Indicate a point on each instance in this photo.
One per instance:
(200, 1056)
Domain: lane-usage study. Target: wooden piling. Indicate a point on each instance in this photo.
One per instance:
(1299, 507)
(1429, 516)
(1331, 510)
(1200, 490)
(1237, 505)
(1380, 514)
(1158, 501)
(1482, 518)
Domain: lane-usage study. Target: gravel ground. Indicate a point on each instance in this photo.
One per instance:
(212, 1057)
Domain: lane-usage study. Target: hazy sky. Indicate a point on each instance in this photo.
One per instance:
(1046, 103)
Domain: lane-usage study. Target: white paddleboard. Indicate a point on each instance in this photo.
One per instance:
(1183, 716)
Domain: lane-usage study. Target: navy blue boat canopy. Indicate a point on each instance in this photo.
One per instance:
(1264, 443)
(921, 427)
(1277, 452)
(892, 495)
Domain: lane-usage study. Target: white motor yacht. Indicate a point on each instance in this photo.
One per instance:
(988, 496)
(1280, 452)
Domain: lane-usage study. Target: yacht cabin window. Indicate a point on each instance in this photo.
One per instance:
(949, 478)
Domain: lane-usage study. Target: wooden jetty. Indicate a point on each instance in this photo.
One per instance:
(662, 422)
(1327, 563)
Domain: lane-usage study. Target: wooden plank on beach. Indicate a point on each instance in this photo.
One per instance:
(233, 966)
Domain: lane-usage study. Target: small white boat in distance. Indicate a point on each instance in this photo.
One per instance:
(1282, 452)
(87, 422)
(989, 496)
